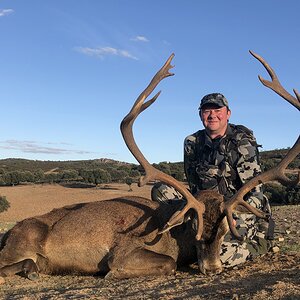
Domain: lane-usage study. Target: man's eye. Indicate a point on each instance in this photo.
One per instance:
(209, 111)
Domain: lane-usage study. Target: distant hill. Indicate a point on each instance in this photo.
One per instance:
(19, 164)
(268, 159)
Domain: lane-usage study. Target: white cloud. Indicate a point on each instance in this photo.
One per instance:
(140, 38)
(35, 147)
(101, 52)
(5, 12)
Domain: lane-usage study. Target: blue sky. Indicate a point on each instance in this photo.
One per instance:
(71, 70)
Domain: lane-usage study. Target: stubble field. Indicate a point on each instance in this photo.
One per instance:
(274, 276)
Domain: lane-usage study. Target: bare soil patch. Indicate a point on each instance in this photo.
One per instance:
(274, 276)
(31, 200)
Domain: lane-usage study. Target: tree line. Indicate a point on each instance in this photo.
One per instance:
(93, 172)
(105, 171)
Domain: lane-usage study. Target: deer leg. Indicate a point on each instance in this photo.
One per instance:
(26, 268)
(141, 262)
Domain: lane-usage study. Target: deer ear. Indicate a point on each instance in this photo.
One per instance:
(169, 226)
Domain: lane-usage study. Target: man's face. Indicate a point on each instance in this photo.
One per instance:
(215, 119)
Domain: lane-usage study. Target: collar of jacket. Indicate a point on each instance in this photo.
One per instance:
(208, 142)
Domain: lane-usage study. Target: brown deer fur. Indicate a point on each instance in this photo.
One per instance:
(117, 237)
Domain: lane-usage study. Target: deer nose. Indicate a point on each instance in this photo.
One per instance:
(214, 271)
(210, 269)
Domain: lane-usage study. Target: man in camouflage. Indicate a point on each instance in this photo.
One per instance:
(223, 157)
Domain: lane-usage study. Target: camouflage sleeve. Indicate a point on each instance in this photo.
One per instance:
(248, 166)
(190, 162)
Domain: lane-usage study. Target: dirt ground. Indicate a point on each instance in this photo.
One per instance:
(274, 276)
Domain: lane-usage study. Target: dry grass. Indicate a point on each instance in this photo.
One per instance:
(31, 200)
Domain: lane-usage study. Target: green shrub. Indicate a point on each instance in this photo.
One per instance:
(4, 204)
(129, 182)
(279, 194)
(292, 195)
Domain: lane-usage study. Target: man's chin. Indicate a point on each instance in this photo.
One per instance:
(213, 127)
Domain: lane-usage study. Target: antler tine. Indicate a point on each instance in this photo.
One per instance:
(151, 172)
(275, 84)
(139, 104)
(276, 173)
(138, 107)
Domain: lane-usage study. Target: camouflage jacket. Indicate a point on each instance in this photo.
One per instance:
(223, 164)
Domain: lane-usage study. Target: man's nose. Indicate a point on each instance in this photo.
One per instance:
(212, 114)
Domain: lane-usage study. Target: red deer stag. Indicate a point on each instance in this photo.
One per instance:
(132, 236)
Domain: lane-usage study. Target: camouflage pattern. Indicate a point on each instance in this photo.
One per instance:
(163, 193)
(234, 252)
(215, 98)
(224, 165)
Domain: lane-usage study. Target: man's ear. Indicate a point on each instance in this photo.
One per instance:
(228, 113)
(200, 115)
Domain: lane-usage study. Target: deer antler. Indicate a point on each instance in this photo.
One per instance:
(275, 84)
(151, 172)
(276, 173)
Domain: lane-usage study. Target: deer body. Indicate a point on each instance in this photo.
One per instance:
(98, 237)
